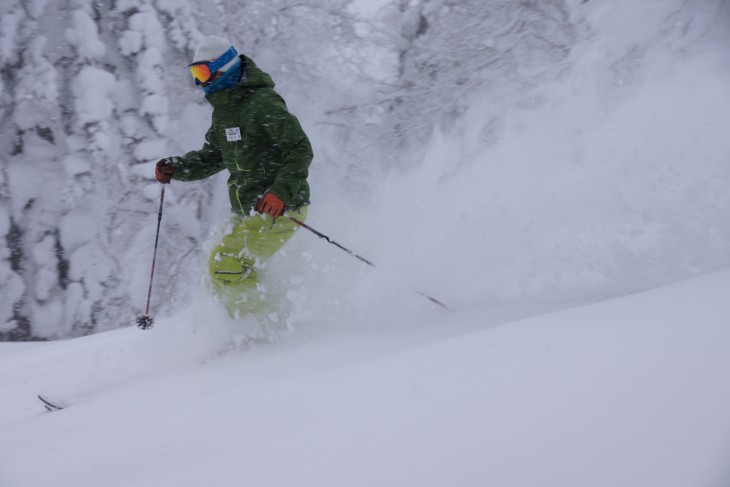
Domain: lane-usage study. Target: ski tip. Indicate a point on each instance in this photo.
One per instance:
(50, 404)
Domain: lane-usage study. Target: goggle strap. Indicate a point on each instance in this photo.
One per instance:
(222, 60)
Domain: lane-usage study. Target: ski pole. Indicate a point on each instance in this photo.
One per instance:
(325, 237)
(363, 259)
(145, 321)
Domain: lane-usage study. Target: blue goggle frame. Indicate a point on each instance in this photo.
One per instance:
(216, 64)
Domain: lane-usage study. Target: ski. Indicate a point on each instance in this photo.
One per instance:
(50, 405)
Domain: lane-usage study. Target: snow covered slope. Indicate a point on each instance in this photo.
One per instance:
(630, 392)
(609, 178)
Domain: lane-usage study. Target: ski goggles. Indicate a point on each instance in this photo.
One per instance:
(203, 71)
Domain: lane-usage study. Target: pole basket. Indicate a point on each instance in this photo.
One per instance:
(145, 322)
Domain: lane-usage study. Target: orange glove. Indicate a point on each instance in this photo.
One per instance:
(270, 204)
(164, 171)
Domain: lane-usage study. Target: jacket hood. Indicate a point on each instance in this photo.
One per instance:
(254, 77)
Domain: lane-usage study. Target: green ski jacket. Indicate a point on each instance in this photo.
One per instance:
(254, 136)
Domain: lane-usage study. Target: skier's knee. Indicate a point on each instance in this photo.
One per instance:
(229, 270)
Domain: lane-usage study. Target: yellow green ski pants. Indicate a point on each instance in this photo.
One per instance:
(235, 262)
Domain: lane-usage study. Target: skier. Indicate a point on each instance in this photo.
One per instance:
(262, 145)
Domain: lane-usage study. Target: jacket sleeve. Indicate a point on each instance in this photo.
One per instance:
(199, 164)
(296, 155)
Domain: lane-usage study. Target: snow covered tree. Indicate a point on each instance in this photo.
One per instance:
(85, 105)
(32, 173)
(450, 50)
(436, 55)
(95, 92)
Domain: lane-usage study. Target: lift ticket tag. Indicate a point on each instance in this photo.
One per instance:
(233, 134)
